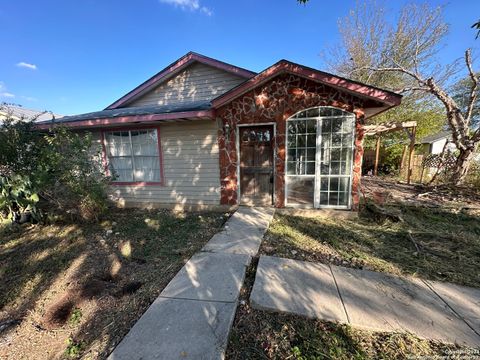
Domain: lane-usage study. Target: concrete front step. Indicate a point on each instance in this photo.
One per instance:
(368, 300)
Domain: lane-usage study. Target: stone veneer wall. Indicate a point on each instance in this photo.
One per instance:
(276, 101)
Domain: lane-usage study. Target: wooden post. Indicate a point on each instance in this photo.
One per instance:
(377, 156)
(410, 155)
(402, 164)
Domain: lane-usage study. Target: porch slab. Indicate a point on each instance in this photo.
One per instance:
(297, 287)
(178, 329)
(382, 302)
(465, 301)
(206, 277)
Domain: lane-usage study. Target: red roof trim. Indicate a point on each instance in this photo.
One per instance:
(384, 96)
(178, 65)
(123, 120)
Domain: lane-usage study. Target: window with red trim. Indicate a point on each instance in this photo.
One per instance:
(133, 155)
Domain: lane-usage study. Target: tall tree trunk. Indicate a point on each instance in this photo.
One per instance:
(462, 165)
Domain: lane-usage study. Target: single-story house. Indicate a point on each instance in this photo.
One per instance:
(433, 144)
(204, 133)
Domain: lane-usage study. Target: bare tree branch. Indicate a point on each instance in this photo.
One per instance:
(474, 88)
(413, 88)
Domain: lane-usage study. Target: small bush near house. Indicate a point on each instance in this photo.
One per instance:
(47, 174)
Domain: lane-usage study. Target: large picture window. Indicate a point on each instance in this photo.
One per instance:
(133, 155)
(319, 157)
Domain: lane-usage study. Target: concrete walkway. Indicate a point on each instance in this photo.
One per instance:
(369, 300)
(192, 317)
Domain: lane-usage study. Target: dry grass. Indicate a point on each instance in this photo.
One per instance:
(69, 290)
(448, 243)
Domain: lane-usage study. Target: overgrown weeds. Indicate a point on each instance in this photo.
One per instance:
(431, 243)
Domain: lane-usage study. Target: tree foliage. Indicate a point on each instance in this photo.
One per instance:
(402, 55)
(368, 39)
(48, 173)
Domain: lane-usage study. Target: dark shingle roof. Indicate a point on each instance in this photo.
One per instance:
(134, 111)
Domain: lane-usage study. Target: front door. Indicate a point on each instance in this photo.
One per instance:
(256, 165)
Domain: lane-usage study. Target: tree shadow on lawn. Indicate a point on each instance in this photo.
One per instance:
(431, 243)
(90, 283)
(29, 267)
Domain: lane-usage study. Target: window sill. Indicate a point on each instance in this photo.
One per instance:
(137, 183)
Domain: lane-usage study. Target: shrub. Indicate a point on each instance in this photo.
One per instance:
(49, 173)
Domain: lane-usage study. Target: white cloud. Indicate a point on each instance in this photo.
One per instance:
(26, 65)
(3, 91)
(29, 98)
(192, 5)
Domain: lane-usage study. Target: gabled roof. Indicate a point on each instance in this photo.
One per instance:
(378, 99)
(386, 97)
(175, 68)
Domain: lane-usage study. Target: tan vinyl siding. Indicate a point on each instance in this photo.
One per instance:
(190, 165)
(197, 82)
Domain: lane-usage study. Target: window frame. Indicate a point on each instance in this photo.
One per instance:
(317, 176)
(106, 161)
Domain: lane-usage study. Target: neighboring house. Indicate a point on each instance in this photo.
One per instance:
(18, 112)
(204, 133)
(433, 144)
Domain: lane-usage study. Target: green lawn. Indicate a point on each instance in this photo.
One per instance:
(75, 289)
(430, 243)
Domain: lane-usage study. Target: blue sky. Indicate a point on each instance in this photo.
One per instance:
(78, 56)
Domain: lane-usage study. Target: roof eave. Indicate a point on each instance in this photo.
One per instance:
(131, 119)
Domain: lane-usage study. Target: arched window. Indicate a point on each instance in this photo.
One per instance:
(320, 157)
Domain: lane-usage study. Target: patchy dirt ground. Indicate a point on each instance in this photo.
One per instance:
(384, 189)
(70, 290)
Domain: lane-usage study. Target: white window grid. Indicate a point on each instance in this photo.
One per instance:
(122, 145)
(334, 150)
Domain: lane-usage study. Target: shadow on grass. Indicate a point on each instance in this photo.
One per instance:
(92, 280)
(432, 243)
